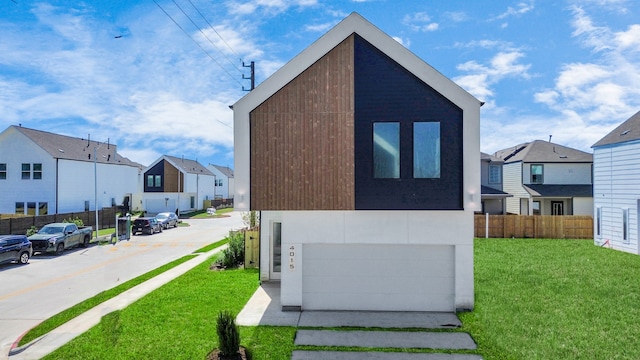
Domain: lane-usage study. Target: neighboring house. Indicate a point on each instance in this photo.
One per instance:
(174, 184)
(547, 179)
(363, 161)
(616, 187)
(493, 198)
(223, 188)
(44, 173)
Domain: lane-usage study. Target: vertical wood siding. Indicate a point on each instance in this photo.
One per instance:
(302, 139)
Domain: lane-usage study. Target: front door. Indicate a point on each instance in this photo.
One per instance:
(557, 208)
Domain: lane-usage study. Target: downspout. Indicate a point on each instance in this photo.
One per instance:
(57, 182)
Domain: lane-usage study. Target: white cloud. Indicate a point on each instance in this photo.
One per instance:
(268, 6)
(520, 9)
(420, 21)
(322, 28)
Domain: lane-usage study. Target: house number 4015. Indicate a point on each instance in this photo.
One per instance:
(292, 258)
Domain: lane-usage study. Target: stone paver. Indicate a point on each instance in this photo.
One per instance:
(379, 319)
(348, 355)
(386, 339)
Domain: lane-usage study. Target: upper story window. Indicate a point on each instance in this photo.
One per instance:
(26, 171)
(386, 150)
(426, 150)
(537, 174)
(149, 180)
(158, 181)
(37, 171)
(3, 171)
(495, 175)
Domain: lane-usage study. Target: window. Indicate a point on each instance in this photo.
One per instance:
(19, 208)
(43, 208)
(625, 224)
(193, 202)
(113, 202)
(598, 221)
(537, 174)
(276, 259)
(158, 181)
(495, 175)
(386, 150)
(426, 150)
(86, 205)
(3, 171)
(536, 208)
(31, 208)
(26, 171)
(149, 180)
(37, 171)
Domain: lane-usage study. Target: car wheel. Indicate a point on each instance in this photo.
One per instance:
(151, 231)
(85, 242)
(24, 258)
(59, 249)
(160, 228)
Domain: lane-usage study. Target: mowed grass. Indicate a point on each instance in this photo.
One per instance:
(178, 321)
(554, 299)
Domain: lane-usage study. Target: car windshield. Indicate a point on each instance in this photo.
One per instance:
(50, 230)
(161, 216)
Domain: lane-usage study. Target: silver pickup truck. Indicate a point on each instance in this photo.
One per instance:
(59, 236)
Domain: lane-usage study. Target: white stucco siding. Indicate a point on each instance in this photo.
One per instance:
(77, 184)
(14, 188)
(615, 188)
(512, 184)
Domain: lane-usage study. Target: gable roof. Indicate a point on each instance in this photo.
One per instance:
(490, 158)
(543, 152)
(184, 165)
(355, 23)
(71, 148)
(627, 131)
(225, 170)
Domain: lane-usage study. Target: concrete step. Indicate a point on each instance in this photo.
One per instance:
(350, 355)
(386, 339)
(379, 319)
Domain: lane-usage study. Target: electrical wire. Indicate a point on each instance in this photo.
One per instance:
(205, 36)
(214, 29)
(198, 44)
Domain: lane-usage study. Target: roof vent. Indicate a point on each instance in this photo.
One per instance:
(624, 132)
(61, 150)
(563, 156)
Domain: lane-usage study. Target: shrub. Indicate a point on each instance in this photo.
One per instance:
(32, 230)
(228, 335)
(233, 255)
(77, 221)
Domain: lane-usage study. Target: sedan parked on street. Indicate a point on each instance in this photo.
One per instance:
(167, 219)
(147, 225)
(15, 248)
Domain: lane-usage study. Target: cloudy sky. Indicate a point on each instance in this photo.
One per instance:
(156, 77)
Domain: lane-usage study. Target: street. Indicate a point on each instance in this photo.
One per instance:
(49, 284)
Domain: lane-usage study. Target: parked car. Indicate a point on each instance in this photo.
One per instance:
(15, 248)
(147, 225)
(167, 219)
(57, 237)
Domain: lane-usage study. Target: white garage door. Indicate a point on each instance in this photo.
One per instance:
(378, 277)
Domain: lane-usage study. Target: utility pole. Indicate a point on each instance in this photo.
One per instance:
(252, 77)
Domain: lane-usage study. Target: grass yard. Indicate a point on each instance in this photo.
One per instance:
(535, 299)
(554, 299)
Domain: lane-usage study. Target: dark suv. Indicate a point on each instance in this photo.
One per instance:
(147, 225)
(15, 248)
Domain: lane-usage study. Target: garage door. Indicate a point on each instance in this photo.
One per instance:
(378, 277)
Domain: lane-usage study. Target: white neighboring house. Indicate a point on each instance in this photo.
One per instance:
(44, 173)
(352, 125)
(493, 198)
(547, 179)
(616, 187)
(223, 181)
(174, 184)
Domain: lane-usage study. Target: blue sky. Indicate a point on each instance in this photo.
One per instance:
(124, 71)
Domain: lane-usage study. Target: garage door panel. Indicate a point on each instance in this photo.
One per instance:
(378, 277)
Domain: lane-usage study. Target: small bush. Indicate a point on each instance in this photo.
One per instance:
(228, 335)
(32, 230)
(233, 255)
(77, 221)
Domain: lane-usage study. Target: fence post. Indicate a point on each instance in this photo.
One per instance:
(486, 226)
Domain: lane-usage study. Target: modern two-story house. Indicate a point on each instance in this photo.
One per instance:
(224, 181)
(44, 173)
(172, 184)
(363, 162)
(547, 179)
(616, 187)
(493, 198)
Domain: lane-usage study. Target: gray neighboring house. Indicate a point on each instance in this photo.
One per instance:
(224, 184)
(547, 179)
(616, 187)
(492, 196)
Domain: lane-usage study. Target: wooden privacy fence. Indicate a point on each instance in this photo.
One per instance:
(535, 226)
(20, 225)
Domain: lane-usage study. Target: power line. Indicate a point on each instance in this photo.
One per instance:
(200, 46)
(214, 29)
(206, 37)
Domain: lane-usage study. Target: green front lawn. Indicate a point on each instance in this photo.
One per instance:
(535, 299)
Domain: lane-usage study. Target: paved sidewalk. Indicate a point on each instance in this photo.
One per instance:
(58, 337)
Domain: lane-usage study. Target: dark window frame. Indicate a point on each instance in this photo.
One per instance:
(537, 178)
(3, 171)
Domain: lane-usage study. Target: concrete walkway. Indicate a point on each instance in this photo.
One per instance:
(58, 337)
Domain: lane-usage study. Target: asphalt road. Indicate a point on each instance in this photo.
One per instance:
(49, 284)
